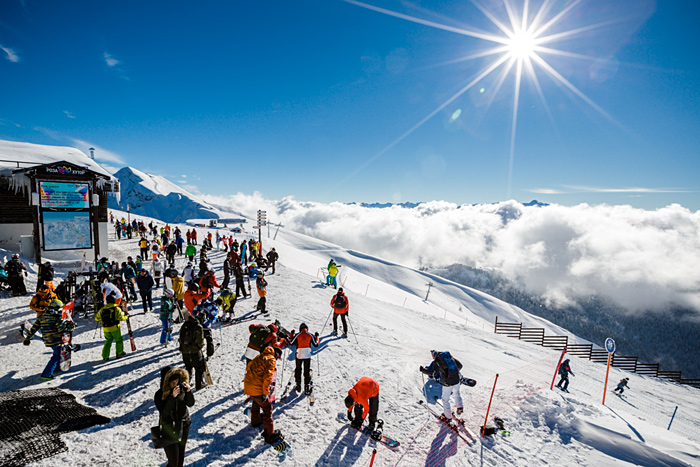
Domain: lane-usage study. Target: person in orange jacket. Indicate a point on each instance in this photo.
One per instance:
(40, 301)
(341, 306)
(258, 378)
(193, 296)
(364, 397)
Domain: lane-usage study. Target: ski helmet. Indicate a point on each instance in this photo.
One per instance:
(303, 326)
(55, 304)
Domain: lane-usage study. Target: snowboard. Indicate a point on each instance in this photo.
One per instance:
(66, 338)
(131, 335)
(282, 448)
(468, 382)
(378, 436)
(207, 374)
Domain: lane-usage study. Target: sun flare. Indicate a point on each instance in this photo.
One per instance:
(522, 45)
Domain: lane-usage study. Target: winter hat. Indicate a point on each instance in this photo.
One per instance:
(434, 353)
(303, 326)
(340, 290)
(111, 298)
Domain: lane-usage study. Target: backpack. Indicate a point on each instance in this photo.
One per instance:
(187, 338)
(12, 268)
(258, 337)
(340, 302)
(205, 283)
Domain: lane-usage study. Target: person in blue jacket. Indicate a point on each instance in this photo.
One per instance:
(145, 283)
(447, 368)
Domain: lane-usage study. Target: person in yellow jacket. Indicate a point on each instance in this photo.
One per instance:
(111, 316)
(258, 377)
(332, 273)
(179, 290)
(41, 300)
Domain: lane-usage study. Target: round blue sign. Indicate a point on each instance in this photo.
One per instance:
(610, 345)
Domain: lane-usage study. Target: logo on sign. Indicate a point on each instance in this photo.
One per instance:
(610, 345)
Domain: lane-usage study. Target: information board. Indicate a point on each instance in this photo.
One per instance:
(65, 195)
(64, 230)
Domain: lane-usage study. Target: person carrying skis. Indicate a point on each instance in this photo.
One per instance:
(206, 313)
(46, 274)
(52, 328)
(14, 269)
(258, 378)
(341, 307)
(41, 300)
(272, 258)
(622, 385)
(191, 344)
(445, 370)
(303, 340)
(167, 307)
(364, 398)
(145, 284)
(111, 316)
(261, 285)
(564, 370)
(172, 400)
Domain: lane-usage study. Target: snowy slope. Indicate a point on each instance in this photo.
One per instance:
(155, 196)
(392, 331)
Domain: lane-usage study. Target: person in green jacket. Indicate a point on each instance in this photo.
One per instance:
(111, 316)
(190, 251)
(52, 329)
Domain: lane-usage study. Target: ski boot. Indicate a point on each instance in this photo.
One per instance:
(273, 437)
(460, 410)
(308, 388)
(376, 433)
(335, 333)
(297, 388)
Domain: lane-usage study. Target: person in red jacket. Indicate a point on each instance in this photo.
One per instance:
(208, 282)
(341, 306)
(364, 397)
(304, 340)
(193, 296)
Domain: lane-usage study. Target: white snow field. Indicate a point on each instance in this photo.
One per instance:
(393, 330)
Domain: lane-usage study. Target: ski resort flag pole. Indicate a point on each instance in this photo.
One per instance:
(610, 347)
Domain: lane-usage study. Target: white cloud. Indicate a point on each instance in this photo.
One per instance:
(110, 61)
(68, 114)
(11, 55)
(590, 189)
(547, 191)
(100, 153)
(638, 259)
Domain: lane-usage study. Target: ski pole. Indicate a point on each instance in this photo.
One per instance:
(353, 331)
(324, 324)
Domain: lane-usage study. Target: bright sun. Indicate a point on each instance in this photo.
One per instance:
(521, 45)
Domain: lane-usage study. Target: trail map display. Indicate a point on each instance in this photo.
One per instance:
(66, 230)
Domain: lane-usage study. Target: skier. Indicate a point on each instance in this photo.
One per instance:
(622, 385)
(191, 345)
(240, 286)
(341, 306)
(145, 284)
(172, 399)
(167, 307)
(143, 244)
(303, 340)
(564, 370)
(14, 269)
(332, 274)
(227, 273)
(261, 285)
(41, 300)
(52, 329)
(111, 316)
(179, 289)
(207, 282)
(206, 313)
(46, 274)
(364, 397)
(445, 370)
(258, 378)
(192, 296)
(138, 263)
(272, 258)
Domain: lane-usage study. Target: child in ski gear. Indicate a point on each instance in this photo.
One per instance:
(167, 307)
(145, 284)
(191, 345)
(52, 328)
(172, 400)
(42, 299)
(564, 370)
(256, 384)
(111, 316)
(261, 285)
(206, 313)
(447, 369)
(622, 385)
(341, 307)
(14, 269)
(303, 340)
(364, 397)
(272, 258)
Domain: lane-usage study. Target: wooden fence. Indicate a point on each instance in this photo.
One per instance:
(624, 362)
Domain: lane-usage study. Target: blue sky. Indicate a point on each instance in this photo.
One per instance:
(328, 100)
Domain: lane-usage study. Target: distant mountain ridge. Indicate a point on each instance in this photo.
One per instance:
(410, 205)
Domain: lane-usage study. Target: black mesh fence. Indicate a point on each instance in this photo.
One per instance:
(31, 422)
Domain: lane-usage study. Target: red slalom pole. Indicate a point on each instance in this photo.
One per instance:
(374, 453)
(488, 409)
(551, 387)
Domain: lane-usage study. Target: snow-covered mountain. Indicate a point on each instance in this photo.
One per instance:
(155, 196)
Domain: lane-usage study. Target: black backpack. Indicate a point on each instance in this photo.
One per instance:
(257, 338)
(187, 335)
(340, 302)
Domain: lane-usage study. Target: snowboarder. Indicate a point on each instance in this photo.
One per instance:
(167, 307)
(261, 285)
(41, 300)
(14, 269)
(172, 399)
(364, 397)
(191, 345)
(564, 370)
(341, 307)
(145, 284)
(272, 258)
(111, 316)
(258, 378)
(303, 340)
(622, 385)
(447, 369)
(52, 328)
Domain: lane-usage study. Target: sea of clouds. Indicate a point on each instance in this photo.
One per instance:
(638, 259)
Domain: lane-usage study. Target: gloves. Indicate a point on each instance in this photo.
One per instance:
(357, 423)
(316, 335)
(26, 274)
(349, 413)
(27, 342)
